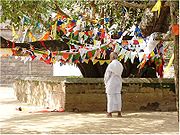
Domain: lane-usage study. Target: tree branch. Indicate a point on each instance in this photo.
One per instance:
(60, 11)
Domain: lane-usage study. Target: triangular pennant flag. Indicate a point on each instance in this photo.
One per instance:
(95, 42)
(140, 40)
(85, 37)
(45, 36)
(95, 31)
(86, 61)
(76, 33)
(123, 51)
(157, 7)
(117, 48)
(81, 34)
(89, 53)
(93, 52)
(138, 48)
(95, 61)
(76, 56)
(127, 55)
(141, 55)
(95, 55)
(133, 55)
(82, 51)
(125, 42)
(175, 29)
(135, 42)
(32, 37)
(65, 55)
(70, 59)
(152, 54)
(14, 35)
(108, 61)
(53, 32)
(121, 57)
(70, 56)
(90, 33)
(101, 62)
(151, 44)
(169, 64)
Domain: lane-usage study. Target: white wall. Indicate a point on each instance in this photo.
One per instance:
(65, 70)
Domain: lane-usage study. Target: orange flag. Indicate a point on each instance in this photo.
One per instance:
(45, 36)
(175, 29)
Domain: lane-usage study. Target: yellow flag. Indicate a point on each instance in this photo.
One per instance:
(169, 64)
(108, 61)
(95, 61)
(32, 37)
(86, 61)
(15, 36)
(157, 7)
(54, 30)
(140, 40)
(63, 25)
(101, 62)
(152, 54)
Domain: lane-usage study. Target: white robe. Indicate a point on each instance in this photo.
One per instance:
(113, 85)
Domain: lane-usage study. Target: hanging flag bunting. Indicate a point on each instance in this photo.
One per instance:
(86, 42)
(47, 57)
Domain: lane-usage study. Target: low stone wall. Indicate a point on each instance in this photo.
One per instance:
(11, 68)
(88, 94)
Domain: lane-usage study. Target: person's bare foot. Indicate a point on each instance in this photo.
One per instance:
(109, 115)
(119, 114)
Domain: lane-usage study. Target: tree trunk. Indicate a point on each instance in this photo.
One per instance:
(176, 52)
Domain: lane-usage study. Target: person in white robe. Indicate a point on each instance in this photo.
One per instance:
(113, 85)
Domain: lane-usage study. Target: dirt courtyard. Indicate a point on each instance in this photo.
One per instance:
(23, 122)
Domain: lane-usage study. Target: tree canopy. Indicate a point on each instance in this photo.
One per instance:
(37, 14)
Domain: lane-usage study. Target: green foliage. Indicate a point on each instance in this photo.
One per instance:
(32, 11)
(36, 13)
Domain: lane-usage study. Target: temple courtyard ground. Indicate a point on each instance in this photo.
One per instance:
(24, 122)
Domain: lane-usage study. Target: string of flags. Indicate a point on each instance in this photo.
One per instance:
(90, 40)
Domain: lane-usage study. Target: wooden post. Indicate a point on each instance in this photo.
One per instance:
(176, 51)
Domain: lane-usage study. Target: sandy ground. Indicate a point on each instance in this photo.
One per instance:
(23, 122)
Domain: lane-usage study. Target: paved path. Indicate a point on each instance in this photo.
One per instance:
(16, 122)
